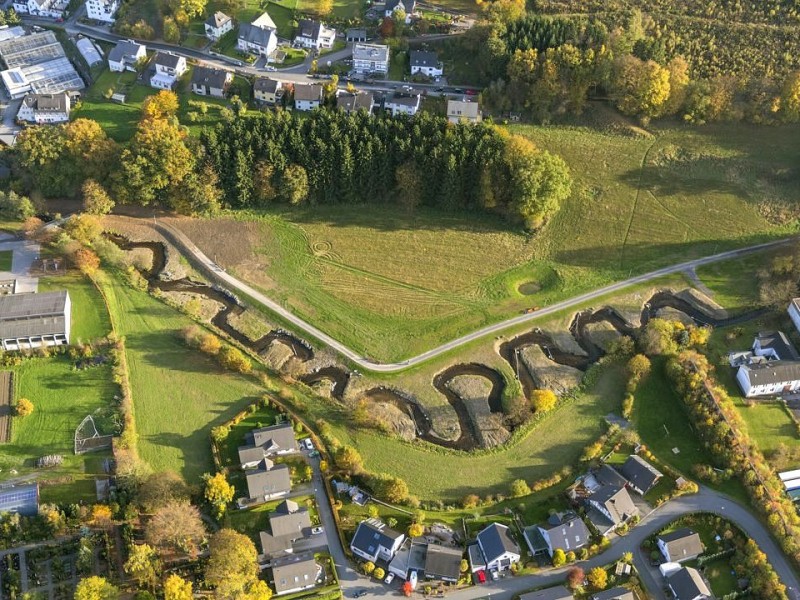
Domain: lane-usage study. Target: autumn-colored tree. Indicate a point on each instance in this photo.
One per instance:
(218, 493)
(390, 488)
(416, 530)
(23, 408)
(177, 588)
(95, 588)
(597, 578)
(575, 578)
(101, 516)
(264, 182)
(379, 573)
(96, 200)
(642, 87)
(638, 366)
(193, 8)
(519, 488)
(503, 11)
(368, 567)
(86, 260)
(160, 489)
(559, 557)
(143, 565)
(210, 344)
(294, 184)
(170, 31)
(31, 226)
(790, 98)
(84, 228)
(348, 459)
(232, 566)
(176, 525)
(386, 28)
(234, 360)
(162, 105)
(470, 501)
(543, 400)
(324, 7)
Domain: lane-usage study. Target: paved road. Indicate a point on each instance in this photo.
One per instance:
(368, 364)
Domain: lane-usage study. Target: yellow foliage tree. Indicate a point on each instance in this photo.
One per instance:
(543, 400)
(24, 407)
(177, 588)
(219, 493)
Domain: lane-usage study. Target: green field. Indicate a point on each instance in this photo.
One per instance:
(342, 9)
(179, 394)
(89, 316)
(5, 260)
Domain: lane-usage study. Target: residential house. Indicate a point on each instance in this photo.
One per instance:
(409, 558)
(688, 584)
(373, 540)
(295, 573)
(53, 9)
(370, 58)
(356, 35)
(641, 475)
(313, 34)
(395, 6)
(443, 563)
(404, 101)
(169, 68)
(617, 593)
(794, 312)
(774, 345)
(425, 63)
(35, 320)
(307, 96)
(680, 545)
(498, 546)
(552, 593)
(609, 507)
(275, 439)
(259, 37)
(218, 25)
(102, 10)
(44, 108)
(608, 475)
(463, 111)
(207, 81)
(351, 103)
(250, 457)
(288, 523)
(268, 482)
(20, 499)
(269, 91)
(566, 531)
(125, 56)
(769, 378)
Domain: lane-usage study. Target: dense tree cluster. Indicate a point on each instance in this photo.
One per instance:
(332, 157)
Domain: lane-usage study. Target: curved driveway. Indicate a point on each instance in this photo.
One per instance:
(187, 246)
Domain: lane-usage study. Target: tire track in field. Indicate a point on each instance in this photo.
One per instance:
(635, 203)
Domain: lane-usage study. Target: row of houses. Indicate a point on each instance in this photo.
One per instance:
(265, 479)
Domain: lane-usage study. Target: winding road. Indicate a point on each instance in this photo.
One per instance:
(706, 500)
(180, 240)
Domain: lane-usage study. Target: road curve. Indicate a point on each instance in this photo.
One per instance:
(706, 500)
(187, 246)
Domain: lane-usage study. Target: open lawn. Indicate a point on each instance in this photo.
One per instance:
(392, 284)
(89, 316)
(342, 9)
(5, 260)
(62, 397)
(179, 394)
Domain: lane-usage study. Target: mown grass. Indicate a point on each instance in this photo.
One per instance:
(179, 394)
(89, 316)
(5, 260)
(342, 9)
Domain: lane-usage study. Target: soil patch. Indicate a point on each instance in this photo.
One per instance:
(395, 420)
(205, 308)
(475, 391)
(6, 396)
(547, 374)
(673, 314)
(277, 354)
(143, 235)
(529, 288)
(602, 334)
(250, 324)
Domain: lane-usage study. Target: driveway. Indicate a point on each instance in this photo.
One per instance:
(24, 253)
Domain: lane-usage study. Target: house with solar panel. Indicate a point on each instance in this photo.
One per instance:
(35, 320)
(373, 540)
(20, 499)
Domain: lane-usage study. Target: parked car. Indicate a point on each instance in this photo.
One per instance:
(389, 579)
(313, 453)
(481, 576)
(309, 445)
(495, 575)
(317, 530)
(359, 593)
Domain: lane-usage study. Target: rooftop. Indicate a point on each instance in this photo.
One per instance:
(308, 92)
(371, 52)
(26, 315)
(423, 58)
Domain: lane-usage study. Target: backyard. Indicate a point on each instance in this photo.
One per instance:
(5, 260)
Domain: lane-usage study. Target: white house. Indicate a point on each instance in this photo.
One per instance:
(102, 10)
(680, 545)
(498, 547)
(307, 96)
(609, 507)
(295, 573)
(566, 531)
(463, 111)
(44, 108)
(53, 9)
(370, 58)
(425, 63)
(794, 312)
(218, 25)
(396, 6)
(313, 34)
(267, 90)
(774, 345)
(350, 103)
(259, 37)
(125, 55)
(403, 102)
(769, 378)
(373, 540)
(169, 68)
(207, 81)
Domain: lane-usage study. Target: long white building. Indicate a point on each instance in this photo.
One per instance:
(35, 320)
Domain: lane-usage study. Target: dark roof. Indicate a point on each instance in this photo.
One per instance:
(356, 32)
(552, 593)
(26, 315)
(443, 562)
(47, 102)
(308, 29)
(495, 540)
(776, 371)
(213, 78)
(289, 519)
(353, 102)
(255, 35)
(371, 534)
(275, 437)
(423, 58)
(567, 531)
(682, 544)
(640, 473)
(248, 454)
(617, 593)
(167, 59)
(264, 482)
(309, 92)
(688, 584)
(408, 5)
(217, 20)
(273, 546)
(777, 341)
(265, 84)
(122, 50)
(294, 572)
(617, 502)
(608, 475)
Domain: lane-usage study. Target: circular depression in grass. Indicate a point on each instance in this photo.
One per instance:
(529, 288)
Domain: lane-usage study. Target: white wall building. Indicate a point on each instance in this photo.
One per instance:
(370, 58)
(218, 25)
(125, 55)
(259, 37)
(53, 9)
(769, 378)
(169, 68)
(102, 10)
(425, 63)
(313, 34)
(44, 108)
(35, 320)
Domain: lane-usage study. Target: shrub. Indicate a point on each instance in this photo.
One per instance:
(24, 407)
